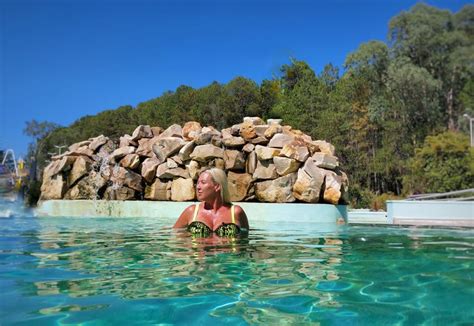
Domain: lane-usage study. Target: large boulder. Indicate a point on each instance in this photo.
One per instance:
(234, 160)
(325, 161)
(130, 161)
(324, 147)
(164, 172)
(239, 185)
(191, 130)
(124, 177)
(81, 166)
(310, 180)
(87, 188)
(159, 190)
(266, 153)
(278, 190)
(182, 190)
(145, 146)
(285, 165)
(265, 170)
(209, 135)
(307, 188)
(53, 187)
(194, 169)
(75, 146)
(81, 151)
(185, 151)
(126, 140)
(122, 193)
(142, 131)
(167, 146)
(96, 142)
(119, 153)
(256, 121)
(280, 140)
(204, 153)
(233, 141)
(247, 130)
(296, 149)
(251, 163)
(174, 130)
(149, 166)
(56, 166)
(333, 187)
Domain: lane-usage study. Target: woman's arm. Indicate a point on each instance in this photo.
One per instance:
(242, 217)
(183, 219)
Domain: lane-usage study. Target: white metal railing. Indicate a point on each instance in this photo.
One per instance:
(452, 195)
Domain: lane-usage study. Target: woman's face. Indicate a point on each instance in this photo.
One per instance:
(206, 188)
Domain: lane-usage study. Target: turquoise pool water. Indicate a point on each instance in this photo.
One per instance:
(63, 271)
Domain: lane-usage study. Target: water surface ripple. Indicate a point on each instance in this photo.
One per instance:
(135, 271)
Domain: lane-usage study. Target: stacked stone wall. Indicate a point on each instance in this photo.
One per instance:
(267, 162)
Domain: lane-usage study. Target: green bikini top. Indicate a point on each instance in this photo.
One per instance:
(199, 228)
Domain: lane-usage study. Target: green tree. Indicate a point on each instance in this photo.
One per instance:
(304, 98)
(38, 130)
(441, 43)
(241, 98)
(444, 163)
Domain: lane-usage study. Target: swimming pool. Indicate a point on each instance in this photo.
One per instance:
(135, 271)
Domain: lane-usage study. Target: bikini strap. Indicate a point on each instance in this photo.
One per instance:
(232, 213)
(196, 209)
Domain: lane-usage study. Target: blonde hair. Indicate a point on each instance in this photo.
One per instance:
(218, 176)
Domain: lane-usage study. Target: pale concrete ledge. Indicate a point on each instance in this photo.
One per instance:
(431, 212)
(265, 212)
(365, 216)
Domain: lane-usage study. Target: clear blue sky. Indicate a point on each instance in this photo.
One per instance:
(64, 59)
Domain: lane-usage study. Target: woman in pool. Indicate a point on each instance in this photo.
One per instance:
(215, 214)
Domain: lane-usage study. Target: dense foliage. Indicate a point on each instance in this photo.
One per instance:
(444, 163)
(390, 97)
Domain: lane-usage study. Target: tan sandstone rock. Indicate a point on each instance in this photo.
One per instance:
(239, 185)
(234, 160)
(247, 130)
(191, 129)
(174, 130)
(142, 131)
(81, 166)
(182, 190)
(124, 177)
(96, 142)
(285, 165)
(145, 146)
(130, 161)
(280, 140)
(265, 170)
(167, 146)
(159, 190)
(148, 170)
(276, 191)
(266, 153)
(325, 161)
(203, 153)
(122, 193)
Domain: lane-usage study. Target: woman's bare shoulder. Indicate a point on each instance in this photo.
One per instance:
(183, 219)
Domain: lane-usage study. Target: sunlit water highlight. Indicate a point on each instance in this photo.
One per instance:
(136, 271)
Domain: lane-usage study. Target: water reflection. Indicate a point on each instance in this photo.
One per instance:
(100, 269)
(153, 261)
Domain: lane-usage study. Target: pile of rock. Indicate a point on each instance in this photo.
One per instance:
(264, 162)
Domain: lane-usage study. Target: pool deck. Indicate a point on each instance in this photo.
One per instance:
(450, 213)
(431, 212)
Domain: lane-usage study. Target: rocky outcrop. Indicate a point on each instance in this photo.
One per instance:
(264, 161)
